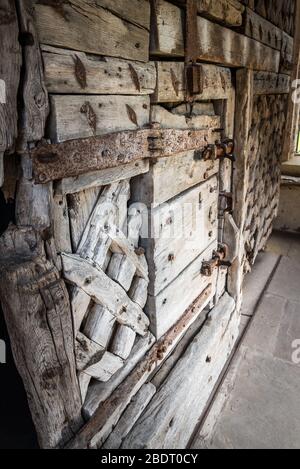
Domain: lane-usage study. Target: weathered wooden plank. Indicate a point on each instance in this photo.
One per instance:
(181, 230)
(182, 172)
(171, 417)
(10, 65)
(80, 207)
(138, 292)
(228, 12)
(61, 224)
(107, 414)
(87, 352)
(130, 416)
(86, 26)
(84, 382)
(103, 370)
(216, 43)
(80, 303)
(35, 97)
(99, 325)
(171, 83)
(271, 83)
(33, 201)
(103, 75)
(169, 120)
(122, 270)
(42, 342)
(99, 392)
(100, 178)
(105, 292)
(123, 342)
(261, 30)
(287, 54)
(135, 11)
(74, 117)
(168, 306)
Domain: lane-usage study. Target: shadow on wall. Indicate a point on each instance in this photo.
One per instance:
(16, 427)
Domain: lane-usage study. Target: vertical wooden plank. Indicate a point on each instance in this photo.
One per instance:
(10, 64)
(35, 97)
(243, 118)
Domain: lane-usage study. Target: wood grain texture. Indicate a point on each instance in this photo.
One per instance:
(86, 26)
(105, 292)
(74, 117)
(169, 305)
(271, 83)
(170, 418)
(10, 66)
(216, 43)
(35, 97)
(181, 230)
(228, 12)
(102, 75)
(171, 84)
(258, 28)
(107, 414)
(37, 312)
(135, 11)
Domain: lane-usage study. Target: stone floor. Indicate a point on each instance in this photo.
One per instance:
(258, 402)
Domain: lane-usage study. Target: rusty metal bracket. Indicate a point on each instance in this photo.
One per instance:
(208, 267)
(225, 203)
(225, 149)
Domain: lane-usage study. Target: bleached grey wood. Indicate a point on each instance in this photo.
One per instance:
(104, 75)
(131, 415)
(104, 292)
(181, 230)
(99, 325)
(80, 302)
(171, 83)
(101, 178)
(33, 201)
(74, 117)
(134, 224)
(182, 172)
(80, 207)
(111, 208)
(103, 370)
(99, 392)
(87, 352)
(123, 342)
(61, 224)
(86, 26)
(108, 413)
(84, 382)
(168, 306)
(138, 292)
(169, 120)
(121, 269)
(170, 418)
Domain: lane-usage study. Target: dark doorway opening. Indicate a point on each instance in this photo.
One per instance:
(16, 426)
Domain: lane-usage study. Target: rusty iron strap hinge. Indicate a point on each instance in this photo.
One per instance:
(193, 75)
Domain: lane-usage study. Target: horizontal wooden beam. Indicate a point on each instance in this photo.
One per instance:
(271, 83)
(216, 43)
(76, 157)
(216, 82)
(74, 72)
(228, 12)
(87, 26)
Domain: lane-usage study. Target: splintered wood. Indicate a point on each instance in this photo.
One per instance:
(110, 283)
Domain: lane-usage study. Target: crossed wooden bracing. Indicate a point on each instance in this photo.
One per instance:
(109, 275)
